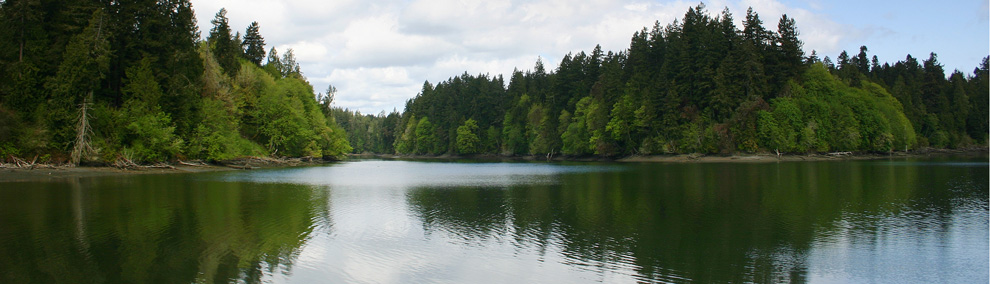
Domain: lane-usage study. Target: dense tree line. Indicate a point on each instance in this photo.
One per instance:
(698, 85)
(372, 133)
(133, 79)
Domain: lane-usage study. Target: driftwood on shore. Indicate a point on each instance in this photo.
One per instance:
(125, 163)
(192, 163)
(122, 162)
(18, 163)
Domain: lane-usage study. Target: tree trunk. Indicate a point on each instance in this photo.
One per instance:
(83, 132)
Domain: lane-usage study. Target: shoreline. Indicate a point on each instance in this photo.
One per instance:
(48, 172)
(696, 158)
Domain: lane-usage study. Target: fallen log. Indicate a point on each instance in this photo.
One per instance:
(195, 164)
(245, 167)
(159, 166)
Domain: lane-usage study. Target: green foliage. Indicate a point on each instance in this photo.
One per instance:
(537, 127)
(491, 141)
(787, 116)
(696, 85)
(223, 43)
(597, 121)
(281, 118)
(828, 115)
(85, 62)
(467, 139)
(284, 66)
(253, 44)
(426, 140)
(576, 138)
(406, 143)
(623, 119)
(769, 131)
(217, 138)
(156, 95)
(149, 132)
(513, 128)
(368, 133)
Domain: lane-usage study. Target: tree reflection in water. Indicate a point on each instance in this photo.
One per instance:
(154, 229)
(700, 222)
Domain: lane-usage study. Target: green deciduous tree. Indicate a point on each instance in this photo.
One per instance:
(426, 139)
(150, 134)
(467, 138)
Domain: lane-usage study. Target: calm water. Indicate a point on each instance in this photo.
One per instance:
(887, 221)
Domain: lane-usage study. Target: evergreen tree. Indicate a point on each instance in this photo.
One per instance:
(223, 44)
(253, 44)
(979, 101)
(273, 65)
(84, 65)
(790, 56)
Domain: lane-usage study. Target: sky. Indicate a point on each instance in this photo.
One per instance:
(378, 53)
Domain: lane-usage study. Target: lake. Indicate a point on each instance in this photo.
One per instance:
(902, 220)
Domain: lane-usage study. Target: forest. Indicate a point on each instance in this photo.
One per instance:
(86, 81)
(697, 85)
(104, 81)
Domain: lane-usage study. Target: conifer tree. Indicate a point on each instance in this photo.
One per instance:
(791, 57)
(253, 44)
(84, 65)
(223, 44)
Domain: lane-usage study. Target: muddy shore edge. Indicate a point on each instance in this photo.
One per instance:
(698, 158)
(48, 172)
(42, 172)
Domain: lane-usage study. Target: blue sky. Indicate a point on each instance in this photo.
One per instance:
(378, 53)
(957, 31)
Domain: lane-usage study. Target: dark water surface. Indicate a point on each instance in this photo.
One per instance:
(885, 221)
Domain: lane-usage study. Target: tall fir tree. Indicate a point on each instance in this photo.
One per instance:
(223, 43)
(790, 57)
(253, 44)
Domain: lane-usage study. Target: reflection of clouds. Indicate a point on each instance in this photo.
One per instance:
(904, 245)
(416, 222)
(393, 174)
(378, 238)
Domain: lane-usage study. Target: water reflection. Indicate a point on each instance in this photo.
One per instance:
(899, 221)
(153, 229)
(733, 222)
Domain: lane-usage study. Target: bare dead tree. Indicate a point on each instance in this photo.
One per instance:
(83, 145)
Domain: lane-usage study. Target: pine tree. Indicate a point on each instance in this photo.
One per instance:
(223, 44)
(253, 44)
(273, 65)
(790, 53)
(979, 90)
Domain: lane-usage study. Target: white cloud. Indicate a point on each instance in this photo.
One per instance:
(377, 42)
(379, 53)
